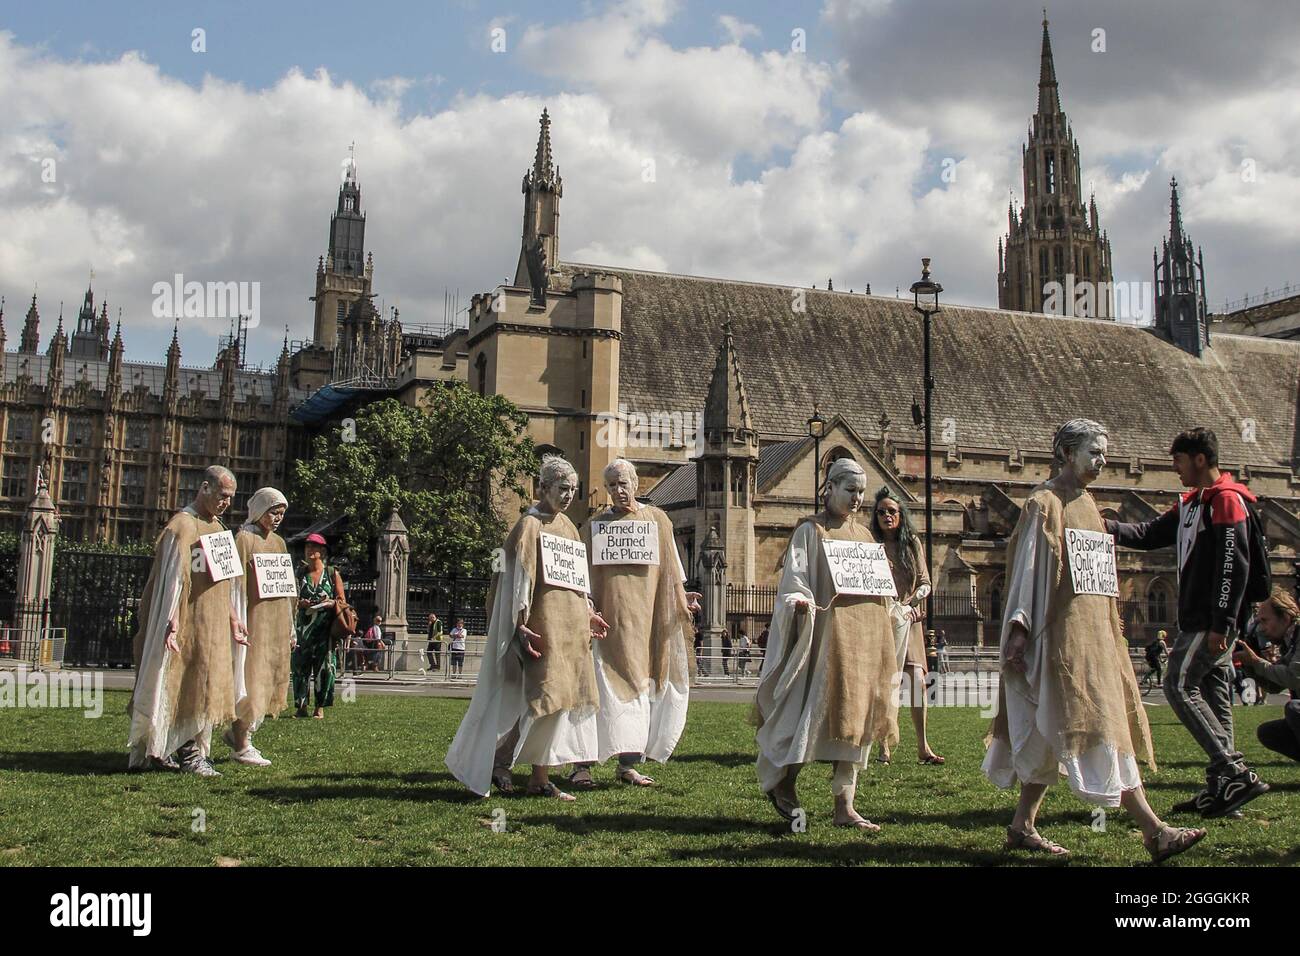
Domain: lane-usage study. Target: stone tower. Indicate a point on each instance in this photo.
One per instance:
(1180, 287)
(344, 274)
(728, 465)
(542, 189)
(1056, 258)
(90, 340)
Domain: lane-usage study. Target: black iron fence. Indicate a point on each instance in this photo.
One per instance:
(965, 620)
(448, 597)
(95, 597)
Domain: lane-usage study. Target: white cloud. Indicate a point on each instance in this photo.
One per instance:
(224, 182)
(737, 30)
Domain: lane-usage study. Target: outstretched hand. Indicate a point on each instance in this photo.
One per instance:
(693, 599)
(533, 643)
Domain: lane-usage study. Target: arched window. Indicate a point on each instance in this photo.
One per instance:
(996, 591)
(834, 455)
(1158, 602)
(1042, 264)
(1050, 171)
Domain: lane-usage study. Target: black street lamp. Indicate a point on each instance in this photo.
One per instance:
(926, 296)
(816, 431)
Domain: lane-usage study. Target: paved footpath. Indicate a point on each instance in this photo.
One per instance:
(959, 688)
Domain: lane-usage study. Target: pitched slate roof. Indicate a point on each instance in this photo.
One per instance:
(1007, 379)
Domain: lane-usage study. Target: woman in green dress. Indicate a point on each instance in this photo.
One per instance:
(315, 662)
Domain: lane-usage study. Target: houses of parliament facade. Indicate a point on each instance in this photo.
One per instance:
(579, 345)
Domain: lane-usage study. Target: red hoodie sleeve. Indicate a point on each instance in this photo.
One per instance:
(1229, 528)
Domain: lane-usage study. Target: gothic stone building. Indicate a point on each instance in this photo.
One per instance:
(124, 444)
(601, 357)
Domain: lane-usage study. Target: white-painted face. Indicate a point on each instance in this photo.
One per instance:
(1088, 459)
(622, 491)
(846, 495)
(270, 521)
(558, 495)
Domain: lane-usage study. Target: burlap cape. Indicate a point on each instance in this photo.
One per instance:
(645, 608)
(1088, 654)
(564, 677)
(198, 683)
(270, 629)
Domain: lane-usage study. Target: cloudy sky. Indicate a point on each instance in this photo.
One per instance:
(782, 142)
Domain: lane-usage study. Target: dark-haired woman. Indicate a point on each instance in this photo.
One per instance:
(892, 526)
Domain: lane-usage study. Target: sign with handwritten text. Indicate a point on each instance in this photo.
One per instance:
(625, 542)
(564, 563)
(1092, 562)
(274, 573)
(219, 550)
(859, 567)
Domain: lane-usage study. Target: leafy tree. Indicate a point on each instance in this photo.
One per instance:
(447, 465)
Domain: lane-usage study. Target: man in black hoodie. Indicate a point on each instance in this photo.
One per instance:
(1210, 528)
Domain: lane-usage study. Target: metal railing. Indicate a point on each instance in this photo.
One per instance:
(41, 648)
(1268, 295)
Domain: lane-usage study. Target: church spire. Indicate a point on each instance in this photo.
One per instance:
(1049, 99)
(1181, 315)
(1175, 213)
(1056, 243)
(30, 340)
(543, 168)
(727, 407)
(539, 253)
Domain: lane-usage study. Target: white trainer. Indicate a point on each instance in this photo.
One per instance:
(251, 756)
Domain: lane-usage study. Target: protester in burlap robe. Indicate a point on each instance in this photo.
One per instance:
(828, 686)
(1069, 702)
(643, 666)
(535, 700)
(261, 668)
(184, 684)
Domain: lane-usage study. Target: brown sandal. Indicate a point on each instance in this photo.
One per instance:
(1170, 841)
(580, 778)
(550, 790)
(502, 780)
(932, 758)
(1035, 842)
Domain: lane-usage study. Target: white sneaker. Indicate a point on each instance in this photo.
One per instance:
(251, 756)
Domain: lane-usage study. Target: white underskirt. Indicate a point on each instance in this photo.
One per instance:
(1098, 775)
(566, 737)
(648, 724)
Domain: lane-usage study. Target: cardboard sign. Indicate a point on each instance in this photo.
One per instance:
(564, 563)
(860, 567)
(274, 573)
(219, 550)
(1092, 562)
(625, 542)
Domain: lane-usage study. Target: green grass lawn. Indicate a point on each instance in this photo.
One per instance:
(367, 786)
